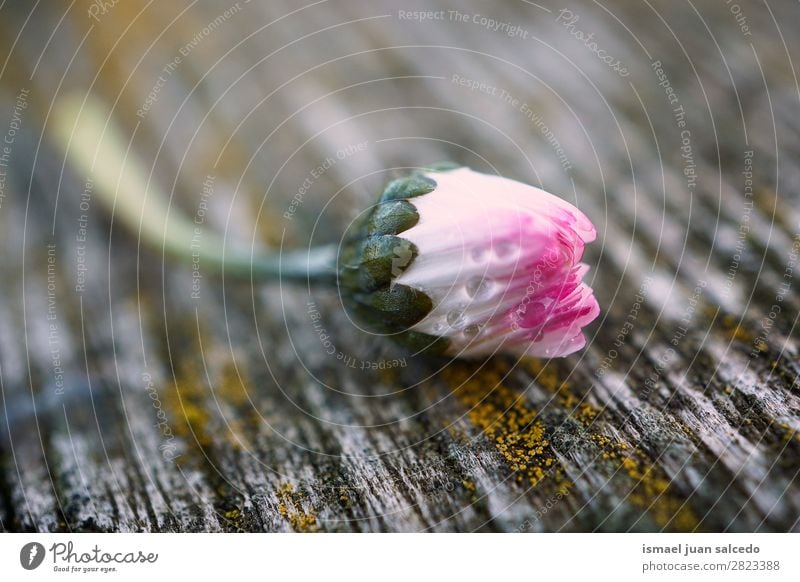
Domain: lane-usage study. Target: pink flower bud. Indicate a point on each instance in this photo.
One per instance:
(500, 261)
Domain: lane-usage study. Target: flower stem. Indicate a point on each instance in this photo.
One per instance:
(83, 129)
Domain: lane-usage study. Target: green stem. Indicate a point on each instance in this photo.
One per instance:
(95, 146)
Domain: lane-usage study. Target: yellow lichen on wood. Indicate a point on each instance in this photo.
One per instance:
(651, 489)
(291, 507)
(230, 385)
(734, 329)
(186, 402)
(548, 378)
(232, 514)
(504, 417)
(231, 390)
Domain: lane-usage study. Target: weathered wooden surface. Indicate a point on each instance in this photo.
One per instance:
(129, 404)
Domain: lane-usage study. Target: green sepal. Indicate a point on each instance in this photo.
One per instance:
(415, 342)
(369, 319)
(409, 187)
(418, 342)
(398, 305)
(373, 256)
(377, 260)
(392, 217)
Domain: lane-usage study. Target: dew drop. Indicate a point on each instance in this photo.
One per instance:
(505, 249)
(478, 254)
(478, 287)
(455, 318)
(472, 330)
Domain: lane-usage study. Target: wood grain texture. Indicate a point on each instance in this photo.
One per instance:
(132, 401)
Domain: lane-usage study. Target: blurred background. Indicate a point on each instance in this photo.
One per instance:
(140, 395)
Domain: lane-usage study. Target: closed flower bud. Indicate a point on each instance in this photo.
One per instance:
(468, 264)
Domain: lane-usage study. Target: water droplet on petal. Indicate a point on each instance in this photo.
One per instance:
(478, 254)
(505, 249)
(455, 318)
(478, 287)
(472, 330)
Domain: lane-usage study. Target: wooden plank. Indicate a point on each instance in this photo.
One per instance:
(224, 412)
